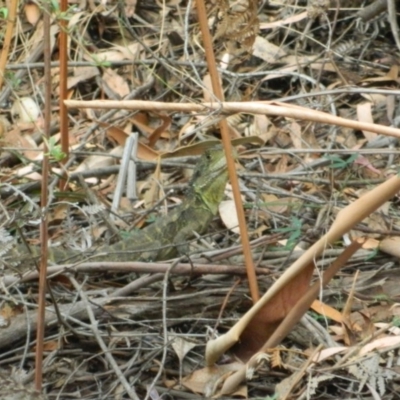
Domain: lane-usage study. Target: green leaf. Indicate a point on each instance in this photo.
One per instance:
(4, 12)
(340, 163)
(55, 152)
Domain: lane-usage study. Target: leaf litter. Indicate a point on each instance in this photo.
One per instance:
(296, 177)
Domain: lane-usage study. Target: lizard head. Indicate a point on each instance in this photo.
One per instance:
(210, 177)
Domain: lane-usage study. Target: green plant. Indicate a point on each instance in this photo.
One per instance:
(382, 297)
(339, 163)
(12, 80)
(294, 230)
(372, 254)
(54, 5)
(318, 317)
(55, 152)
(3, 12)
(100, 63)
(55, 8)
(396, 321)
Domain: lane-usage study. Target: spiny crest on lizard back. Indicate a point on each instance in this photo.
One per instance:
(210, 177)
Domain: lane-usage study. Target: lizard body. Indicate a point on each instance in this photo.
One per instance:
(160, 240)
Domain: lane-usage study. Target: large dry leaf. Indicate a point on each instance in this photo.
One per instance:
(268, 318)
(345, 220)
(290, 319)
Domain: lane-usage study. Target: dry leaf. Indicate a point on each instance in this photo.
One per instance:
(261, 127)
(14, 138)
(364, 114)
(275, 204)
(268, 317)
(25, 109)
(328, 353)
(381, 343)
(160, 130)
(116, 82)
(295, 134)
(117, 53)
(181, 345)
(32, 13)
(130, 7)
(205, 380)
(327, 311)
(82, 74)
(208, 93)
(267, 51)
(228, 214)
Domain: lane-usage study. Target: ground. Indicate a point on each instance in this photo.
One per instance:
(139, 330)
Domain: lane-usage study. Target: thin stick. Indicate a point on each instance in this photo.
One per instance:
(63, 86)
(107, 352)
(256, 107)
(216, 85)
(44, 202)
(12, 14)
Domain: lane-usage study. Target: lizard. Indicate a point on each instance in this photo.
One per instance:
(163, 239)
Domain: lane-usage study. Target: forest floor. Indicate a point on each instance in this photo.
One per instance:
(147, 327)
